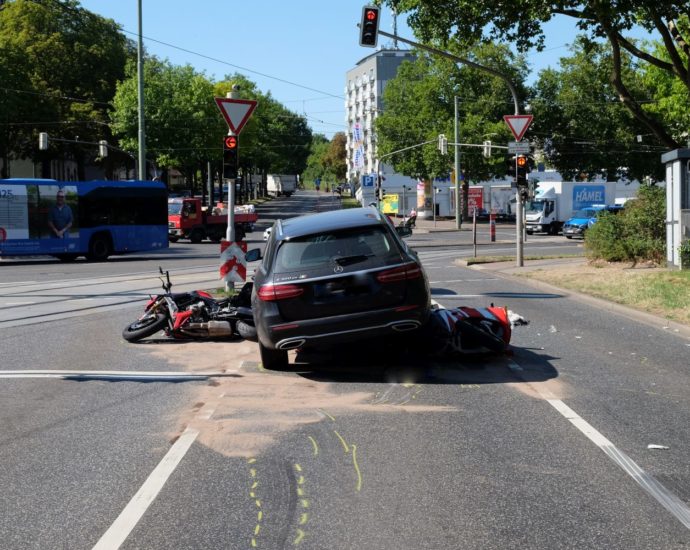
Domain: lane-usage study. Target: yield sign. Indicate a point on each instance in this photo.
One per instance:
(236, 111)
(518, 124)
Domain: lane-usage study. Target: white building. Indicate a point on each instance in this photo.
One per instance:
(363, 92)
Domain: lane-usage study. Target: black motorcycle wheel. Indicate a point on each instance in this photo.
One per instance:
(146, 326)
(246, 331)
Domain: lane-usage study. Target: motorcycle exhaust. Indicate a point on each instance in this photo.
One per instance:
(214, 328)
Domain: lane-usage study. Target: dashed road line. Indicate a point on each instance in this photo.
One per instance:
(649, 484)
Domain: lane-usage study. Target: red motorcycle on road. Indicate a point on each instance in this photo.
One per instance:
(194, 315)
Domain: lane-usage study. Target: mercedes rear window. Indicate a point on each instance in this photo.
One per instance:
(352, 249)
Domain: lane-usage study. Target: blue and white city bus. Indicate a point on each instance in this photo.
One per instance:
(95, 219)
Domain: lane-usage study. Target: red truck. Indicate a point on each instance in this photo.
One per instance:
(188, 219)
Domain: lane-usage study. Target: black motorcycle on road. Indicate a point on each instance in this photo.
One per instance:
(194, 315)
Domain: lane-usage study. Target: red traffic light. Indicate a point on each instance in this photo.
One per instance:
(369, 27)
(230, 142)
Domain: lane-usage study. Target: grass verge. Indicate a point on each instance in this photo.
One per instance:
(657, 291)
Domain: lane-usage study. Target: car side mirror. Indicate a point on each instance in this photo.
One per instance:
(253, 255)
(404, 231)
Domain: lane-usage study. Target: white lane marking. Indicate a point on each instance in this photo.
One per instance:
(656, 490)
(455, 296)
(461, 281)
(118, 532)
(113, 375)
(18, 303)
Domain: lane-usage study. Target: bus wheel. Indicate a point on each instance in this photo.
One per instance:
(197, 236)
(99, 248)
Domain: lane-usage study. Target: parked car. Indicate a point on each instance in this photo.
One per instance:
(583, 219)
(332, 278)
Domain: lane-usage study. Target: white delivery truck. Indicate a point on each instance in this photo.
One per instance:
(281, 185)
(556, 201)
(503, 202)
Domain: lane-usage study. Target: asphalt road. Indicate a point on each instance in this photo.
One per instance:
(369, 448)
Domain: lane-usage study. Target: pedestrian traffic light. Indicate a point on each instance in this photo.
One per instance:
(369, 28)
(43, 141)
(522, 168)
(230, 157)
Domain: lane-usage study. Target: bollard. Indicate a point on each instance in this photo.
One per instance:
(492, 227)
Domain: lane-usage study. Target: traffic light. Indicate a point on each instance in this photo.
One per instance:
(380, 193)
(486, 150)
(230, 157)
(102, 148)
(43, 141)
(522, 169)
(443, 144)
(369, 28)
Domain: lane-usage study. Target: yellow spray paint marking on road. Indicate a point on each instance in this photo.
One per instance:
(359, 474)
(257, 502)
(300, 536)
(326, 414)
(304, 502)
(347, 449)
(316, 447)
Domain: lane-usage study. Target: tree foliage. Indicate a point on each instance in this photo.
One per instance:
(419, 104)
(636, 234)
(59, 66)
(582, 128)
(521, 22)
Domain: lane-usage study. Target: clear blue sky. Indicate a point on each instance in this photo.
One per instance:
(299, 50)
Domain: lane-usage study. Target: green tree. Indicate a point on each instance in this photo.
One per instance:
(70, 61)
(317, 167)
(183, 125)
(583, 129)
(335, 159)
(419, 104)
(522, 23)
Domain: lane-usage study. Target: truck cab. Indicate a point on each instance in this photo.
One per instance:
(541, 214)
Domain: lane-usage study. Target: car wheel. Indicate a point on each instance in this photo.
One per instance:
(273, 359)
(568, 236)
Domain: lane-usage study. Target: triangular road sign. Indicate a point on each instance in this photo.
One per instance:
(236, 111)
(518, 124)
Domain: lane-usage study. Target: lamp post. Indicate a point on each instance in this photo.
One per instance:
(140, 89)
